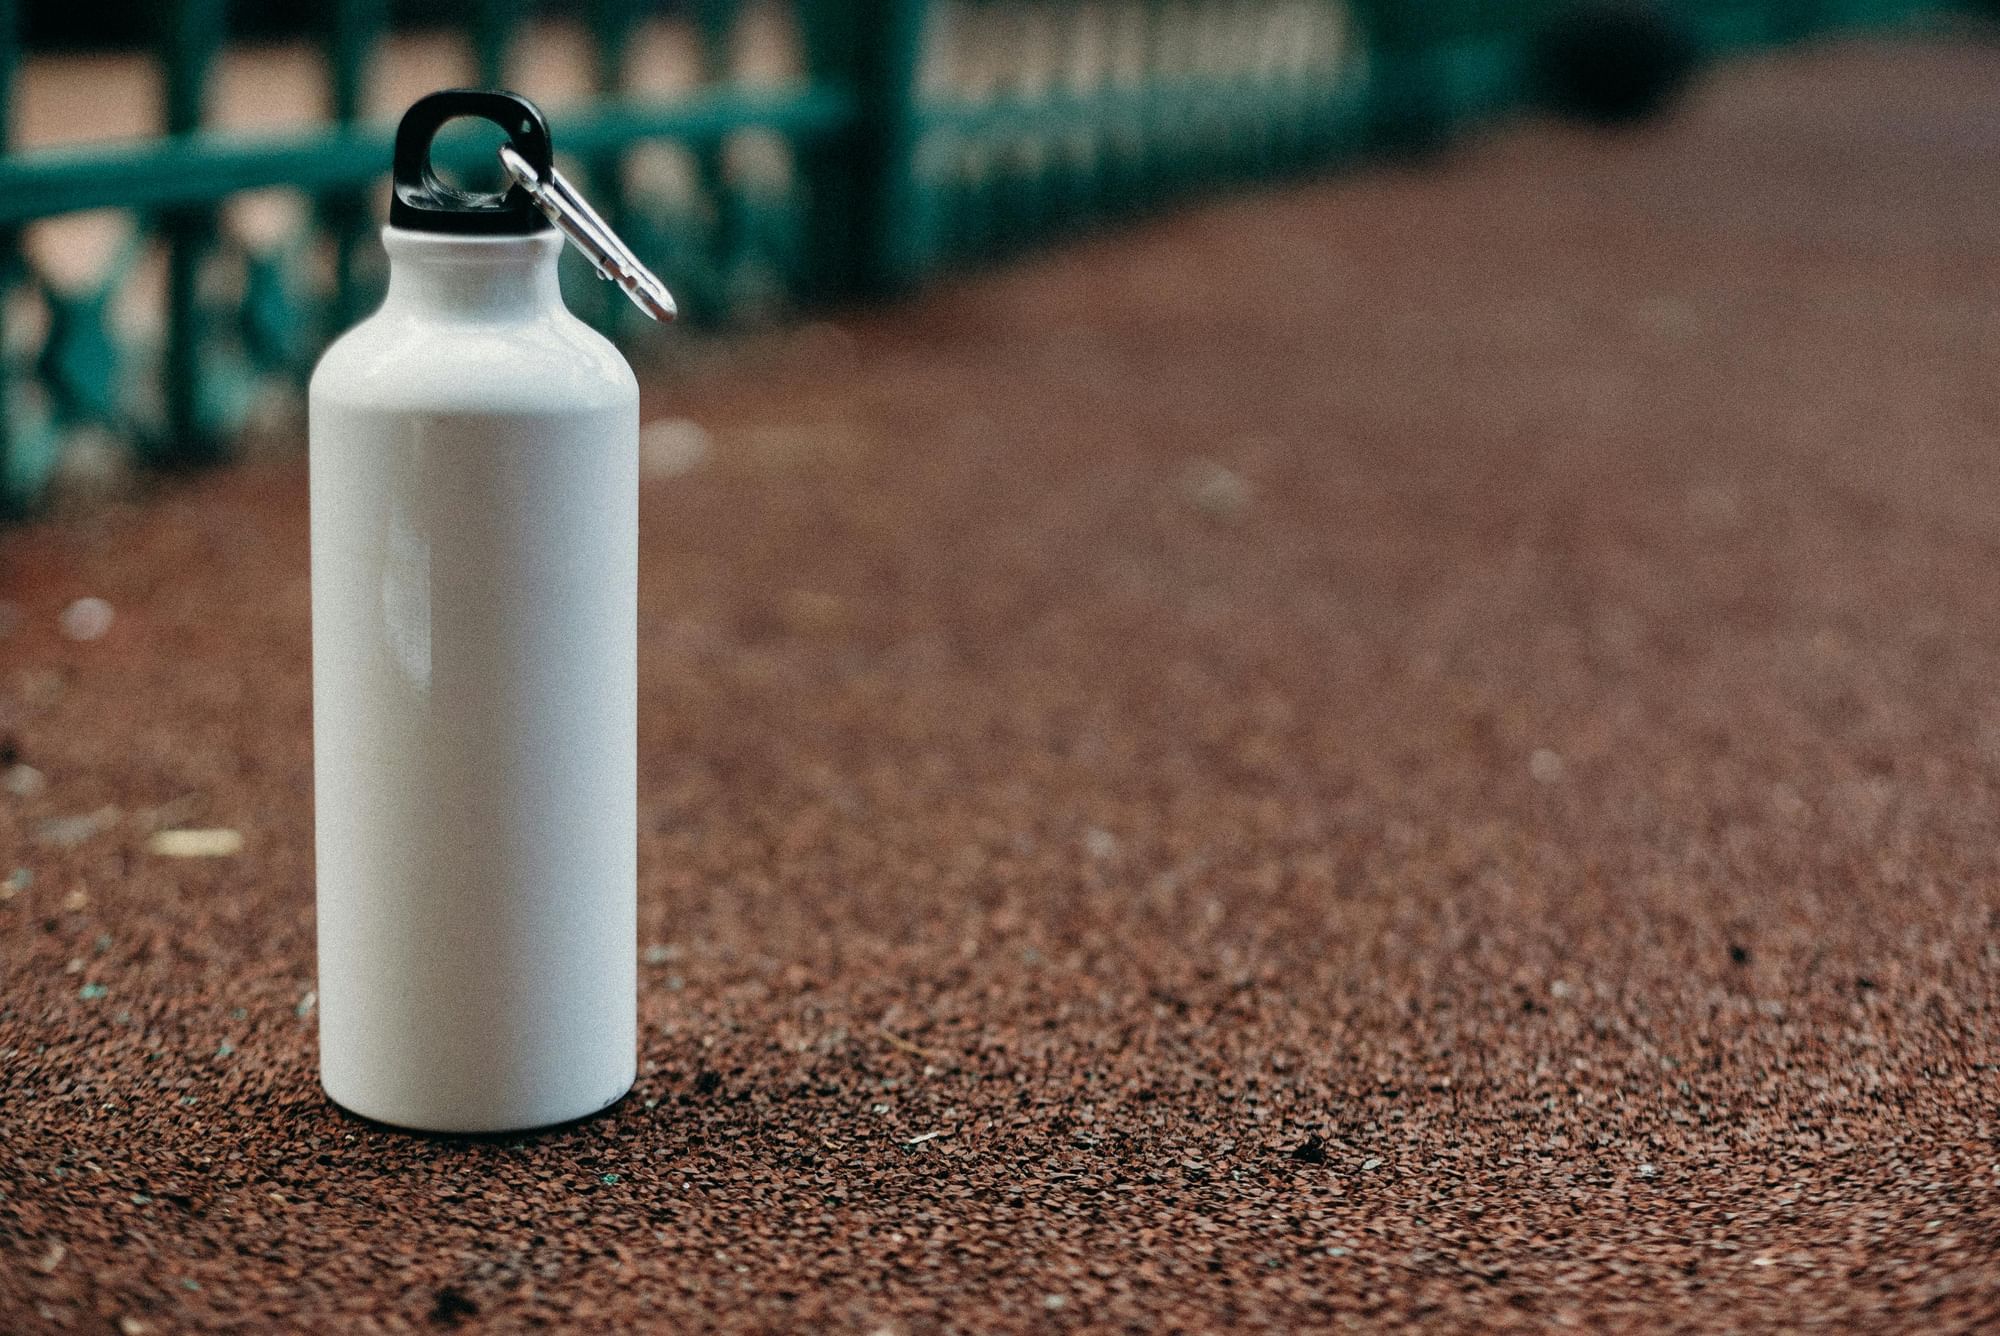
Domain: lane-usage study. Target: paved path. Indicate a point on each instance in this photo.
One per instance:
(1424, 748)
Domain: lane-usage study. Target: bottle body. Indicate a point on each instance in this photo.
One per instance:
(474, 478)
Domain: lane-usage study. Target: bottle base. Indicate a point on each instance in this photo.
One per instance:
(469, 1125)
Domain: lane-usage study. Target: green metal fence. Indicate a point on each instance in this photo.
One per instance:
(901, 136)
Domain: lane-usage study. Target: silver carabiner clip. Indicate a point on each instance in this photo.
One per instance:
(612, 258)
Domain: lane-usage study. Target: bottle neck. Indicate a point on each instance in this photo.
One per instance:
(476, 278)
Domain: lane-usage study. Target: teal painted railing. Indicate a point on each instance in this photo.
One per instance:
(896, 137)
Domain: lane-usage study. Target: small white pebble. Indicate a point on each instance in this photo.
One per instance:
(70, 831)
(1054, 1301)
(86, 619)
(23, 781)
(671, 447)
(307, 1003)
(1546, 766)
(1215, 490)
(196, 843)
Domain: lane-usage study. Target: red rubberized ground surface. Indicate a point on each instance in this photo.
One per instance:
(1420, 748)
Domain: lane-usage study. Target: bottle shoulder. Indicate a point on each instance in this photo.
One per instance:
(395, 357)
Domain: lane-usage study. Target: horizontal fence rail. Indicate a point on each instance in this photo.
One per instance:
(156, 290)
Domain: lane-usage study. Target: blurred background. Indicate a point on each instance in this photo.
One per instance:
(1302, 663)
(191, 188)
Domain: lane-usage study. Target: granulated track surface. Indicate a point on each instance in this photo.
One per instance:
(1423, 748)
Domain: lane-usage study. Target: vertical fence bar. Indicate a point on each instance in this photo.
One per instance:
(612, 22)
(1297, 94)
(1083, 66)
(979, 78)
(1016, 203)
(1123, 166)
(714, 30)
(862, 184)
(495, 24)
(953, 73)
(193, 37)
(16, 489)
(1405, 104)
(1169, 128)
(1340, 109)
(357, 24)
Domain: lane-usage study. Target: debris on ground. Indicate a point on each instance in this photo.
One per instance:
(215, 843)
(86, 619)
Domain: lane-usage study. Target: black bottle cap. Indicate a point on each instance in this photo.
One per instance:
(421, 202)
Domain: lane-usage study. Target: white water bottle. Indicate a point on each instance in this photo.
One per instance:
(474, 467)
